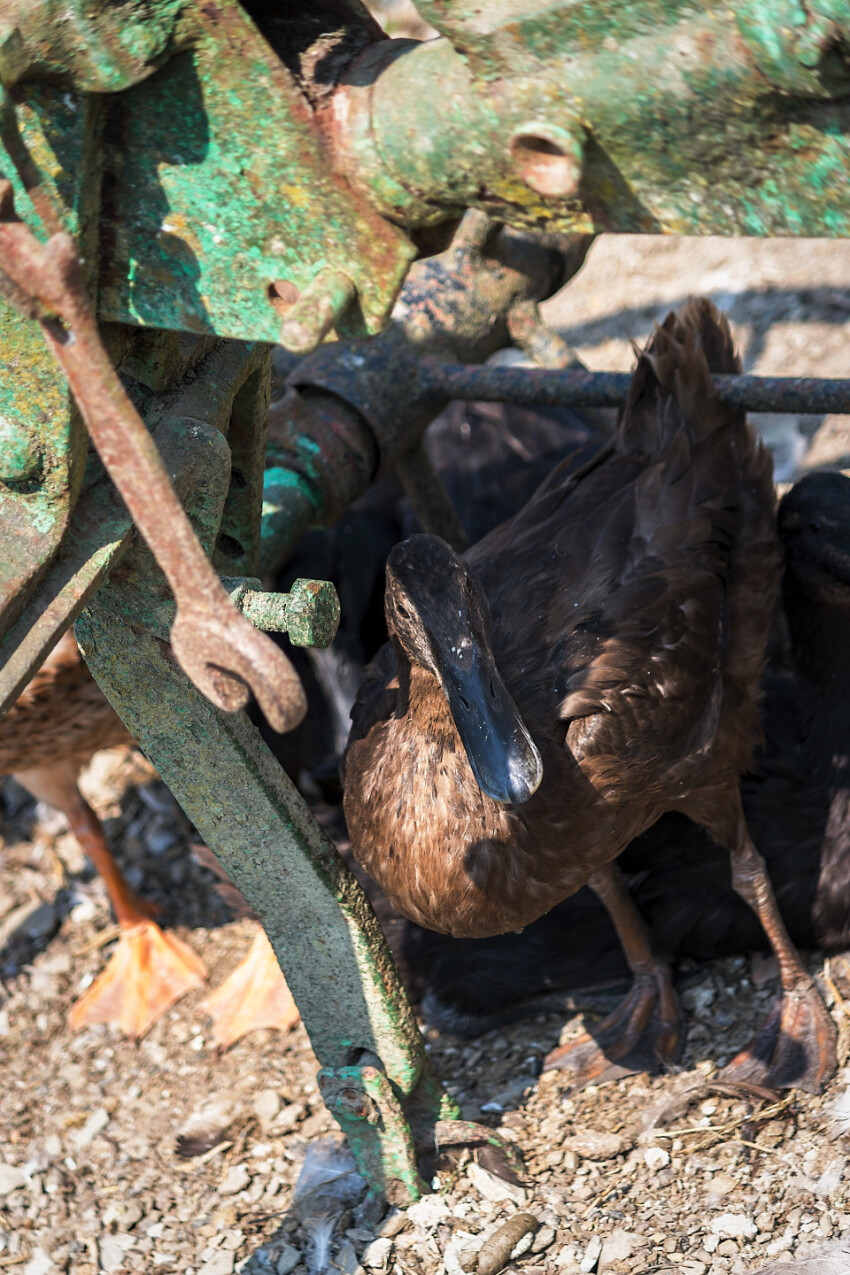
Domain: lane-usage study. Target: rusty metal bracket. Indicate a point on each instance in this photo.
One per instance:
(357, 408)
(221, 652)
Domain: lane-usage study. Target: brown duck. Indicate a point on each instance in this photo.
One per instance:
(52, 730)
(586, 667)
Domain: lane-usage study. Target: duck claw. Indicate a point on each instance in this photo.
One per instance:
(794, 1049)
(641, 1035)
(147, 973)
(255, 995)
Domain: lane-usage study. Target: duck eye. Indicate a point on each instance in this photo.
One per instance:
(402, 610)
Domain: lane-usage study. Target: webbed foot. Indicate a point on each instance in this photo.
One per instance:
(641, 1035)
(148, 971)
(794, 1049)
(254, 995)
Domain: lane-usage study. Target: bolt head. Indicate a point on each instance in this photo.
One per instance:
(312, 613)
(20, 453)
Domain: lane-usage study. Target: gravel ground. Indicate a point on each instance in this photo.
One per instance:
(641, 1176)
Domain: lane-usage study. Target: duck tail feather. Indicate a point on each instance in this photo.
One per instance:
(671, 385)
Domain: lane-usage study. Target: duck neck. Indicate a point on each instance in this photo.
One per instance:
(820, 639)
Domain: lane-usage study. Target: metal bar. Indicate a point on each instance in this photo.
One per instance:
(540, 386)
(426, 491)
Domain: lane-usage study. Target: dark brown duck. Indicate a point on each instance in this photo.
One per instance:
(587, 667)
(796, 801)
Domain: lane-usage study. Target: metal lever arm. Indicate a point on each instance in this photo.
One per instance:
(216, 647)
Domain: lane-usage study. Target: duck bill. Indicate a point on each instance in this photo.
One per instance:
(502, 754)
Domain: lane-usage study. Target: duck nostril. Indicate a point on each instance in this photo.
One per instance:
(492, 691)
(464, 701)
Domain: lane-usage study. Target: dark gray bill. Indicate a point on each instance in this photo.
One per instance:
(502, 754)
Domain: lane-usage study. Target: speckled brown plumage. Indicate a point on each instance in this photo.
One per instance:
(60, 715)
(630, 609)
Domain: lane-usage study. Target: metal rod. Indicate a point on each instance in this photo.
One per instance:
(542, 387)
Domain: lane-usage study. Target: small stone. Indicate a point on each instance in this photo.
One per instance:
(346, 1260)
(727, 1248)
(763, 969)
(97, 1121)
(11, 1179)
(493, 1188)
(428, 1211)
(393, 1223)
(220, 1263)
(131, 1213)
(595, 1145)
(266, 1107)
(619, 1246)
(235, 1180)
(656, 1158)
(40, 922)
(544, 1237)
(734, 1226)
(40, 1263)
(591, 1254)
(113, 1249)
(53, 1145)
(288, 1117)
(288, 1259)
(376, 1256)
(693, 1267)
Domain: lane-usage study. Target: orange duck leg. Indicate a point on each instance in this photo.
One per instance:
(149, 969)
(255, 995)
(645, 1032)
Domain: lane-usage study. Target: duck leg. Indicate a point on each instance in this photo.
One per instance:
(149, 970)
(254, 995)
(646, 1029)
(796, 1046)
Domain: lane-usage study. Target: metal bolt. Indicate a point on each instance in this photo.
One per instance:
(316, 311)
(549, 159)
(20, 453)
(309, 613)
(354, 1104)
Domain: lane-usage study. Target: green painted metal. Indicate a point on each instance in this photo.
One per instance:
(96, 48)
(51, 137)
(688, 121)
(223, 190)
(258, 181)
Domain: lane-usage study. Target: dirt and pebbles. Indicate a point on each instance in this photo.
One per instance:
(646, 1175)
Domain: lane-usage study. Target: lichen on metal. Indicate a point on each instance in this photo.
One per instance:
(223, 190)
(95, 48)
(684, 125)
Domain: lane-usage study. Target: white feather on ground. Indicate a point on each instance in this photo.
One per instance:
(832, 1259)
(327, 1185)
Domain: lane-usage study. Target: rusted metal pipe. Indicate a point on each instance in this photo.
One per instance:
(544, 388)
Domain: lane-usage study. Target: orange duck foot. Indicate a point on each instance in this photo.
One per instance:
(148, 972)
(255, 995)
(794, 1049)
(642, 1034)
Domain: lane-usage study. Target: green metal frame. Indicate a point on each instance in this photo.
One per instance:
(233, 171)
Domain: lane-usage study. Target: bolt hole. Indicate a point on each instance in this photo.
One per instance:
(228, 546)
(282, 295)
(544, 165)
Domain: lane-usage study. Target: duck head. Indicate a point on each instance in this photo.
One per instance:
(438, 613)
(814, 523)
